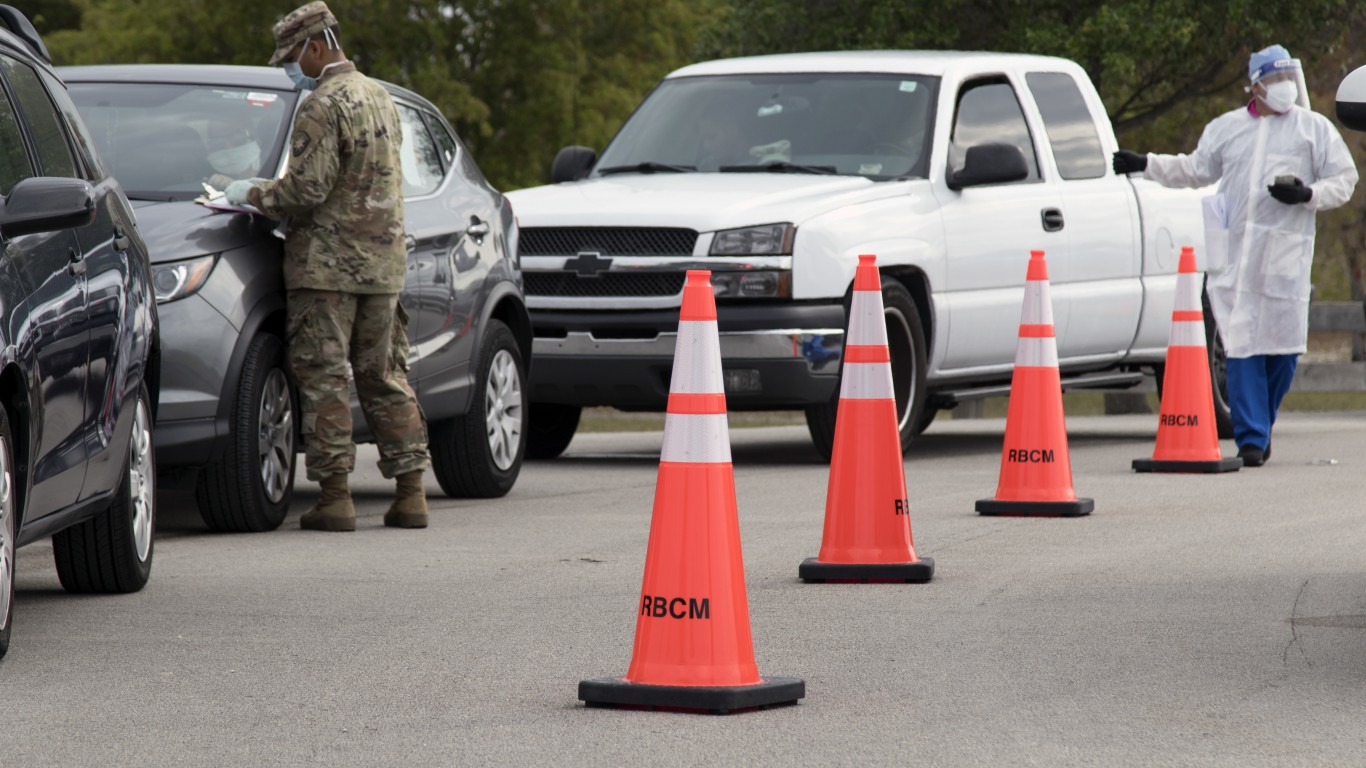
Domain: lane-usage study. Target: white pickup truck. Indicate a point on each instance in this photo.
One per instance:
(776, 172)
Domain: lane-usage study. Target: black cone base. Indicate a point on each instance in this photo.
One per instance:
(994, 508)
(918, 572)
(614, 691)
(1202, 467)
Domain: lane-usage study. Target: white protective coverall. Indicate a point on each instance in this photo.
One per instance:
(1261, 300)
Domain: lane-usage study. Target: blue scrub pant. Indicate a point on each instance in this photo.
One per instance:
(1256, 386)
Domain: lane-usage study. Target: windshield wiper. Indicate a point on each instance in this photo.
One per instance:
(649, 166)
(146, 197)
(780, 166)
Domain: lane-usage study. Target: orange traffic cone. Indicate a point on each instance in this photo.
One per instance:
(867, 515)
(1187, 437)
(1036, 469)
(693, 648)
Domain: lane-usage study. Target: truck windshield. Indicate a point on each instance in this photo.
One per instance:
(870, 125)
(164, 141)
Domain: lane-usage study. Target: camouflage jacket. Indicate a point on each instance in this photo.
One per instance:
(343, 190)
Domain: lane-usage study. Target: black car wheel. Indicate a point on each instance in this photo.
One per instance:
(248, 488)
(1218, 373)
(9, 530)
(551, 429)
(479, 455)
(112, 552)
(907, 349)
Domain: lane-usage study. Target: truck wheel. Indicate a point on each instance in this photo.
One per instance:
(1218, 373)
(906, 346)
(112, 552)
(247, 489)
(550, 429)
(479, 455)
(9, 532)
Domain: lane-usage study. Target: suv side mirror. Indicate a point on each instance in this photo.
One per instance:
(991, 163)
(46, 204)
(572, 163)
(1351, 100)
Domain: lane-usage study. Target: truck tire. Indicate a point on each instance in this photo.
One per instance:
(9, 533)
(907, 348)
(550, 429)
(247, 489)
(112, 552)
(1218, 372)
(479, 455)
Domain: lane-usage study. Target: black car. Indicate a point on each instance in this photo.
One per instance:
(227, 419)
(78, 342)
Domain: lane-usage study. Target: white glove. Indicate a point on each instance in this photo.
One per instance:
(236, 193)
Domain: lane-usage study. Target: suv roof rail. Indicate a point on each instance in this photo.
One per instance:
(15, 20)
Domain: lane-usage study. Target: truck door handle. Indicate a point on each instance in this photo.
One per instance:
(1052, 220)
(75, 265)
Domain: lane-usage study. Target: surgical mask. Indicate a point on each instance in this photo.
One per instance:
(243, 159)
(1281, 95)
(304, 82)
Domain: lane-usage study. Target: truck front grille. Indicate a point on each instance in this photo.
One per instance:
(608, 241)
(570, 285)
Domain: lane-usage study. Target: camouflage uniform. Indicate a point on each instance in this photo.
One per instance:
(344, 264)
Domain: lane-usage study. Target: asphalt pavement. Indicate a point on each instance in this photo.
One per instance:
(1191, 620)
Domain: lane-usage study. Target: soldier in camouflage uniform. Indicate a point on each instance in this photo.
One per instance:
(345, 257)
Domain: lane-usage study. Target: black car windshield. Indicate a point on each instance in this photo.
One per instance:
(872, 125)
(164, 141)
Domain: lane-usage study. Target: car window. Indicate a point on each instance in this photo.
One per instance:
(989, 112)
(421, 161)
(1070, 126)
(14, 164)
(85, 143)
(454, 151)
(49, 137)
(445, 143)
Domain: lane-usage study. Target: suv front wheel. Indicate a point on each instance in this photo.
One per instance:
(479, 455)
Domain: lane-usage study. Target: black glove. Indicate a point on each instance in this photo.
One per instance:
(1292, 192)
(1130, 162)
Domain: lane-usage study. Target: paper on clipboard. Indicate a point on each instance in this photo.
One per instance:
(216, 201)
(1216, 233)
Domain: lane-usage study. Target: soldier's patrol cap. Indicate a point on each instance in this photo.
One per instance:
(301, 24)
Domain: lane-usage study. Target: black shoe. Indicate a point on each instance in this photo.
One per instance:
(1266, 455)
(1252, 456)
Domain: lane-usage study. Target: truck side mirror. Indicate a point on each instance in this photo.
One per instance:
(572, 163)
(991, 163)
(46, 204)
(1351, 101)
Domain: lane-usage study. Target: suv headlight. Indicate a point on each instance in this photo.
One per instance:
(766, 240)
(179, 279)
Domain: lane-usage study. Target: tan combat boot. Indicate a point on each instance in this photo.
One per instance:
(334, 510)
(409, 509)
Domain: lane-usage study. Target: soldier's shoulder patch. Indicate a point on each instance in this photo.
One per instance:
(301, 143)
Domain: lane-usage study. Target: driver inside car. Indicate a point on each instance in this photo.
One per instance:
(232, 153)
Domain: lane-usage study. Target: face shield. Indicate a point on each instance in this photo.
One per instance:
(1273, 66)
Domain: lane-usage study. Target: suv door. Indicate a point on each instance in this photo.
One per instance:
(451, 219)
(109, 258)
(51, 268)
(990, 230)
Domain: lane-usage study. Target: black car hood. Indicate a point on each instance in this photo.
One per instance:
(183, 230)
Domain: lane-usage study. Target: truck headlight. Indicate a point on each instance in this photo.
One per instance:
(766, 240)
(179, 279)
(752, 285)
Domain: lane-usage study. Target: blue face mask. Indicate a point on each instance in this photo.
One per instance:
(292, 69)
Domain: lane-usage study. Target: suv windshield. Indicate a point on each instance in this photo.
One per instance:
(851, 124)
(162, 141)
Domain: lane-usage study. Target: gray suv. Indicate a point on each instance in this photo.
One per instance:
(227, 418)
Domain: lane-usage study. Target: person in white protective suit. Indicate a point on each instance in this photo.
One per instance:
(1277, 164)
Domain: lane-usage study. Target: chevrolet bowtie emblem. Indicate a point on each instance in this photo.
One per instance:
(588, 264)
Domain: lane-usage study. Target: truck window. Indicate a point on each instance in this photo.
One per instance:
(989, 112)
(1071, 127)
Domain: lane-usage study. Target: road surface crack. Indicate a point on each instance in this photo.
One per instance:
(1294, 631)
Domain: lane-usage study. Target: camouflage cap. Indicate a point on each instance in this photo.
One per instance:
(301, 24)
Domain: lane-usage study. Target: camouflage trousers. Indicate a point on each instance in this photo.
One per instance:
(327, 329)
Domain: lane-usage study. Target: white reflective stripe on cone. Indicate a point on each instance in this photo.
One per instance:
(696, 438)
(866, 381)
(1036, 353)
(697, 359)
(866, 322)
(1188, 292)
(1187, 333)
(1038, 308)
